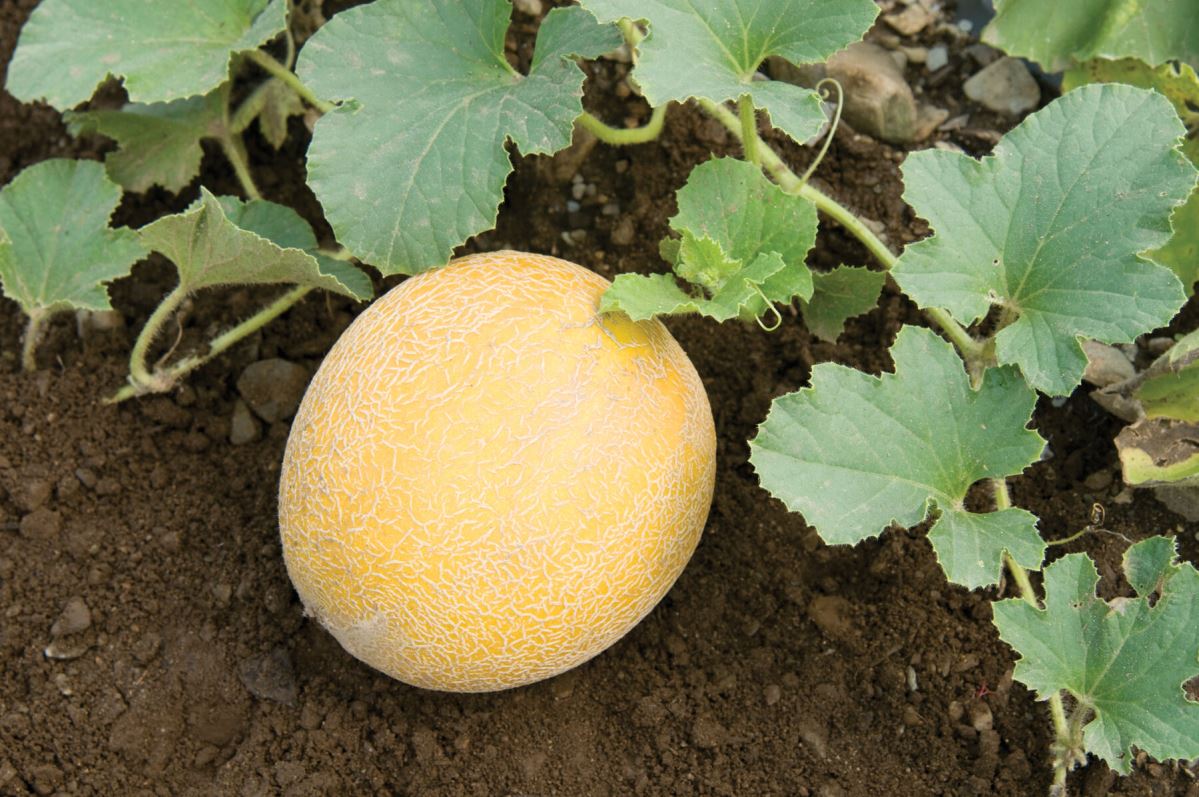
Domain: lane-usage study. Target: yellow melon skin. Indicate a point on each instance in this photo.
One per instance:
(488, 482)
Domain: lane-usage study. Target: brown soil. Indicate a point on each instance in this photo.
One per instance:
(777, 665)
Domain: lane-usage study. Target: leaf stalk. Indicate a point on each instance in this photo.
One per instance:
(234, 149)
(750, 140)
(619, 137)
(33, 335)
(277, 69)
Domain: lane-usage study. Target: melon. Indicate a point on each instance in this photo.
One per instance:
(488, 482)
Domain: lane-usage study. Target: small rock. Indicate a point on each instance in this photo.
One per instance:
(878, 100)
(75, 617)
(273, 388)
(982, 54)
(624, 232)
(916, 55)
(830, 613)
(61, 650)
(815, 737)
(46, 778)
(1182, 501)
(1004, 87)
(910, 21)
(40, 524)
(1098, 481)
(911, 717)
(107, 486)
(32, 494)
(980, 716)
(530, 7)
(243, 427)
(773, 694)
(937, 57)
(170, 541)
(271, 677)
(928, 119)
(222, 593)
(1106, 365)
(707, 733)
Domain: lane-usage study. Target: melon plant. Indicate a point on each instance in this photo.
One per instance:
(1078, 229)
(489, 481)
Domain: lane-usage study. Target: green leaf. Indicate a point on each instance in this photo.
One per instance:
(713, 49)
(230, 242)
(1155, 31)
(838, 296)
(857, 453)
(413, 163)
(157, 144)
(1125, 660)
(164, 50)
(58, 251)
(281, 104)
(743, 244)
(1180, 84)
(1051, 226)
(1171, 390)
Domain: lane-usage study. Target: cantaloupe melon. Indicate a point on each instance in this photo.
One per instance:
(488, 482)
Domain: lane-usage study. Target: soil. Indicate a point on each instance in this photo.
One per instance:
(776, 666)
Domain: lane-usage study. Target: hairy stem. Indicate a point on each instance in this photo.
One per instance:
(234, 149)
(618, 136)
(972, 350)
(750, 140)
(249, 109)
(1067, 739)
(287, 76)
(139, 369)
(166, 378)
(33, 335)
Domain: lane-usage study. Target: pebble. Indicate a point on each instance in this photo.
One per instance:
(273, 388)
(910, 21)
(911, 717)
(1004, 87)
(531, 7)
(773, 694)
(271, 677)
(830, 613)
(107, 486)
(32, 494)
(243, 427)
(878, 100)
(624, 232)
(980, 716)
(75, 617)
(1106, 364)
(707, 733)
(1098, 481)
(938, 57)
(41, 524)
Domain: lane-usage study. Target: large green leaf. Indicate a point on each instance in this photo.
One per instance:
(157, 144)
(856, 453)
(225, 241)
(163, 49)
(414, 161)
(58, 251)
(1125, 660)
(743, 243)
(1056, 34)
(1050, 227)
(713, 49)
(1180, 84)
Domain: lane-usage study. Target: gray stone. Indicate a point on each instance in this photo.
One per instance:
(75, 617)
(1004, 87)
(878, 100)
(1106, 365)
(243, 428)
(273, 388)
(910, 21)
(270, 677)
(937, 57)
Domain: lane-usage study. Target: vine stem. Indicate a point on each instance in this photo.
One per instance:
(234, 149)
(972, 350)
(750, 140)
(1067, 735)
(141, 381)
(277, 69)
(617, 136)
(33, 334)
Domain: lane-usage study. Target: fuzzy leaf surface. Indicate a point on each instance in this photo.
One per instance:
(838, 296)
(1125, 660)
(57, 251)
(1051, 227)
(1180, 84)
(163, 49)
(157, 144)
(713, 49)
(280, 105)
(413, 162)
(225, 241)
(1054, 36)
(857, 453)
